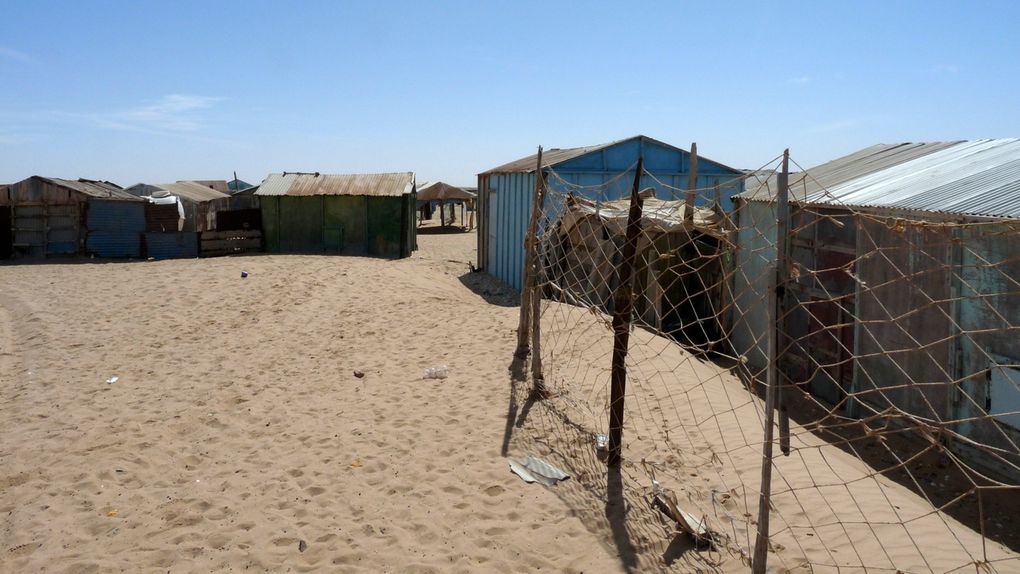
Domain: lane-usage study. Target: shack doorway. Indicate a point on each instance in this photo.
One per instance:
(6, 233)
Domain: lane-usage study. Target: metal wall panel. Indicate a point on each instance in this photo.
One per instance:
(114, 243)
(115, 228)
(112, 215)
(171, 245)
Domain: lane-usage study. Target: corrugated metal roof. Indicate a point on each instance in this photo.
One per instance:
(219, 185)
(980, 178)
(192, 191)
(92, 188)
(869, 160)
(556, 156)
(370, 184)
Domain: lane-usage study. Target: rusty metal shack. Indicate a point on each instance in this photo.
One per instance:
(904, 289)
(200, 202)
(44, 217)
(371, 214)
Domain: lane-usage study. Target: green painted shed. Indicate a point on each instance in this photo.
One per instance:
(356, 214)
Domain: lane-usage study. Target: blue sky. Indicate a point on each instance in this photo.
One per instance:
(161, 91)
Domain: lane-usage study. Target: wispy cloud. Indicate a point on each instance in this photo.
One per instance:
(800, 80)
(14, 55)
(828, 127)
(171, 113)
(952, 69)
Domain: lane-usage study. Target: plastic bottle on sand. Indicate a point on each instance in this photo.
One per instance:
(436, 372)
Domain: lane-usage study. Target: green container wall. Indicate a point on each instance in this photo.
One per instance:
(380, 226)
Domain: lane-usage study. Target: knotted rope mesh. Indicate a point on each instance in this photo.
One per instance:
(896, 361)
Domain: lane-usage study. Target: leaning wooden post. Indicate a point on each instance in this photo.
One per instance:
(692, 185)
(761, 544)
(524, 325)
(782, 276)
(622, 307)
(537, 378)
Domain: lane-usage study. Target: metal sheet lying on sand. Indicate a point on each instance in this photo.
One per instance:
(532, 469)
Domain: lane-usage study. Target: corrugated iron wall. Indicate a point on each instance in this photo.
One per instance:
(382, 226)
(115, 228)
(505, 198)
(171, 245)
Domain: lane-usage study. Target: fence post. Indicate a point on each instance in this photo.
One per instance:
(783, 253)
(537, 378)
(524, 325)
(692, 185)
(761, 544)
(622, 307)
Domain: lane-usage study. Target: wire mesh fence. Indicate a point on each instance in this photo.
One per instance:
(885, 343)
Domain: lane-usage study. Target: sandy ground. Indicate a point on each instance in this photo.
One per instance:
(238, 437)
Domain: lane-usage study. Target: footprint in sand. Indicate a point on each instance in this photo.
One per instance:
(495, 490)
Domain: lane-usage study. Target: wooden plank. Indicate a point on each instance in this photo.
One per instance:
(241, 233)
(524, 324)
(209, 245)
(622, 307)
(692, 186)
(761, 544)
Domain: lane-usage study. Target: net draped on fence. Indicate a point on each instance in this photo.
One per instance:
(891, 336)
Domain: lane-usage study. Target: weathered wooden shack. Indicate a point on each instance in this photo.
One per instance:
(505, 192)
(51, 217)
(904, 290)
(371, 214)
(679, 272)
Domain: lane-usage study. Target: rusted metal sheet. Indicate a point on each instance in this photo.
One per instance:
(310, 184)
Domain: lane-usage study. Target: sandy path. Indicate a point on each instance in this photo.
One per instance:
(237, 436)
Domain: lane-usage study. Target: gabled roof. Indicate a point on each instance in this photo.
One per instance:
(90, 187)
(439, 190)
(979, 178)
(369, 184)
(555, 156)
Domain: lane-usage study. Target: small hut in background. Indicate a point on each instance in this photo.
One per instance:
(371, 214)
(46, 216)
(198, 201)
(443, 194)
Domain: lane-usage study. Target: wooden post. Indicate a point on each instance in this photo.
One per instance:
(624, 303)
(537, 378)
(782, 296)
(524, 325)
(761, 544)
(692, 185)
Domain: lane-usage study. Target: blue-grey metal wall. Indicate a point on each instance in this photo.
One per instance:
(115, 228)
(508, 197)
(171, 245)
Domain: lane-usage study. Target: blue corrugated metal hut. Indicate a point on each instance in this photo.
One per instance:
(505, 193)
(53, 217)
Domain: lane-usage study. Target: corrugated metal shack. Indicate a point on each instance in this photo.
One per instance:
(505, 193)
(59, 217)
(199, 202)
(371, 214)
(892, 298)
